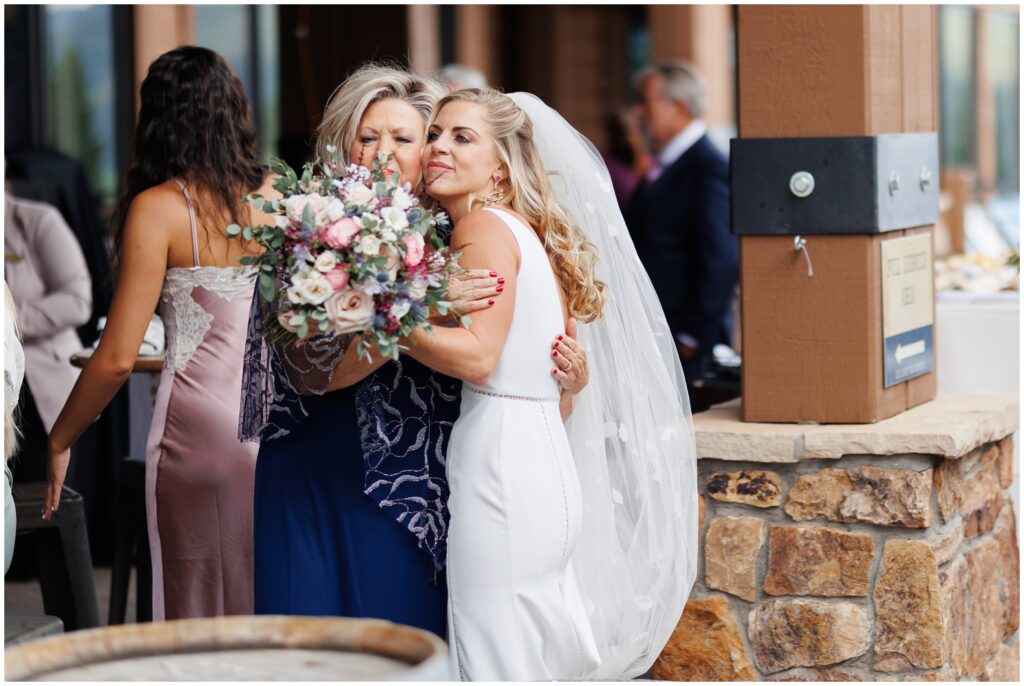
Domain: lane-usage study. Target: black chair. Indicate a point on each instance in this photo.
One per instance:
(64, 563)
(131, 547)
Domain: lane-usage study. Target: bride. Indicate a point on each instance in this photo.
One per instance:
(572, 547)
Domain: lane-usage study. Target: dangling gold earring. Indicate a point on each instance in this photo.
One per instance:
(495, 197)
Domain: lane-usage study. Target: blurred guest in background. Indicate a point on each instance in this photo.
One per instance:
(455, 77)
(627, 158)
(679, 217)
(195, 155)
(14, 374)
(51, 288)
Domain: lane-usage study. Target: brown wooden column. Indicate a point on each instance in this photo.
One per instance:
(984, 105)
(476, 39)
(698, 34)
(159, 28)
(424, 38)
(812, 347)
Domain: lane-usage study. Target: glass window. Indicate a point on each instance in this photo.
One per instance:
(268, 109)
(80, 86)
(246, 36)
(1004, 62)
(227, 29)
(956, 85)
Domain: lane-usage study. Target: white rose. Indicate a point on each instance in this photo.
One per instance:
(335, 210)
(293, 206)
(394, 218)
(316, 289)
(296, 205)
(349, 311)
(393, 263)
(359, 194)
(400, 308)
(325, 262)
(281, 221)
(388, 235)
(370, 245)
(295, 295)
(401, 200)
(417, 290)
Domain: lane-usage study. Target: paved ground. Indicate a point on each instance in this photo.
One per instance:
(24, 597)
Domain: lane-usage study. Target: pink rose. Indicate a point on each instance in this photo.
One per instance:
(413, 249)
(340, 233)
(349, 311)
(337, 277)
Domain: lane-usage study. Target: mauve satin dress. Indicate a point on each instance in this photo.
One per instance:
(199, 476)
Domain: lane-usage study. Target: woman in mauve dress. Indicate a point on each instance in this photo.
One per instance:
(195, 156)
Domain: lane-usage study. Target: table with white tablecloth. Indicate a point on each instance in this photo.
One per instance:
(978, 349)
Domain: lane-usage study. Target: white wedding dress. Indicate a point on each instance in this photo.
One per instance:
(515, 611)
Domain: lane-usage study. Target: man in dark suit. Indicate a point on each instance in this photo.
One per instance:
(679, 217)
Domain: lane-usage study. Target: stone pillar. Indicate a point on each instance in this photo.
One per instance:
(159, 28)
(424, 38)
(818, 71)
(885, 552)
(699, 34)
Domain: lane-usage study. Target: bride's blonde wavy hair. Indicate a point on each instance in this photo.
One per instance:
(528, 192)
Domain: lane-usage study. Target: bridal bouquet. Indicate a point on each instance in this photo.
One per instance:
(351, 252)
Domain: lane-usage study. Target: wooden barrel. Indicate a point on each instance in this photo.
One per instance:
(264, 648)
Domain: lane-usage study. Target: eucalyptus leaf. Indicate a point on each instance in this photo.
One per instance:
(267, 286)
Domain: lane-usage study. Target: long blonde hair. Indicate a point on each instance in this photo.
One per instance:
(365, 87)
(528, 192)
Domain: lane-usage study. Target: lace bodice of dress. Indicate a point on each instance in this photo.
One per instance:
(185, 321)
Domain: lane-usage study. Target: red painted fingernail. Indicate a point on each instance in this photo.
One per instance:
(493, 275)
(500, 289)
(490, 302)
(501, 282)
(553, 353)
(553, 372)
(559, 336)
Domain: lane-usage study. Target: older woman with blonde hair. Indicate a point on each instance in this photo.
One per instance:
(351, 497)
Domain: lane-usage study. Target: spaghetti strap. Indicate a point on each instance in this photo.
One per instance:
(191, 220)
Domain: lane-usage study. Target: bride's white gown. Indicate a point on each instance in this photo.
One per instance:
(514, 609)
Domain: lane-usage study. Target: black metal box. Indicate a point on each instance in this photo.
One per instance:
(840, 185)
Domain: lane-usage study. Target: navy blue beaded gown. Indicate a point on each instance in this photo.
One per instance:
(350, 504)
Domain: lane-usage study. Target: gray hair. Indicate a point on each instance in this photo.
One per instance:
(682, 83)
(368, 85)
(459, 76)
